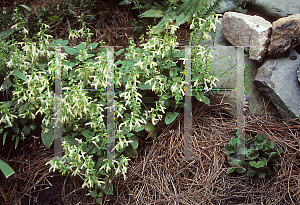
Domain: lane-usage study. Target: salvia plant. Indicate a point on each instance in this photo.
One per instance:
(261, 153)
(152, 69)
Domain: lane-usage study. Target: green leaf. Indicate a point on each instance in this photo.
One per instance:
(23, 121)
(26, 130)
(135, 142)
(70, 51)
(19, 75)
(152, 13)
(47, 135)
(181, 19)
(15, 128)
(17, 141)
(71, 138)
(260, 139)
(258, 164)
(261, 174)
(6, 85)
(108, 189)
(173, 72)
(251, 172)
(59, 42)
(170, 117)
(124, 2)
(81, 47)
(149, 127)
(145, 86)
(273, 156)
(252, 153)
(229, 149)
(207, 101)
(230, 170)
(54, 18)
(6, 33)
(92, 46)
(26, 7)
(87, 134)
(32, 125)
(4, 136)
(6, 169)
(130, 151)
(270, 144)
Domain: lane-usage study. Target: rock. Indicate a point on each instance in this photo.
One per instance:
(226, 5)
(276, 79)
(298, 74)
(245, 30)
(276, 8)
(285, 35)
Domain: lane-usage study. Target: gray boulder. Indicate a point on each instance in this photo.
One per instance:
(277, 80)
(226, 5)
(277, 8)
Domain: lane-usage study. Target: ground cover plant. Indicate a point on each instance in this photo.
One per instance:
(150, 69)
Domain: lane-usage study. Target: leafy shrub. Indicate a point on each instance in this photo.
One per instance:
(262, 155)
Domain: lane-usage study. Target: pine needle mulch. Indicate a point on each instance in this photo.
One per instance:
(160, 175)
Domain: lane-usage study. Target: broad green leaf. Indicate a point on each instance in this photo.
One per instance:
(260, 139)
(207, 101)
(47, 135)
(261, 174)
(149, 127)
(258, 164)
(87, 134)
(145, 86)
(19, 75)
(70, 51)
(273, 156)
(252, 153)
(135, 142)
(15, 128)
(92, 46)
(70, 138)
(26, 130)
(251, 172)
(270, 144)
(173, 72)
(6, 169)
(60, 42)
(130, 151)
(170, 117)
(23, 121)
(81, 46)
(152, 13)
(229, 149)
(33, 125)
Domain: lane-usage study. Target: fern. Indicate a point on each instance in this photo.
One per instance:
(181, 13)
